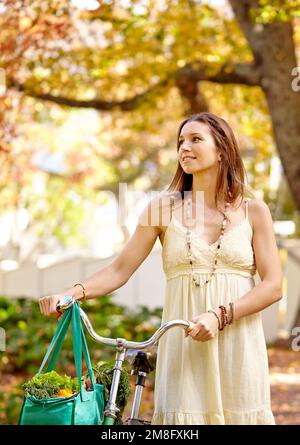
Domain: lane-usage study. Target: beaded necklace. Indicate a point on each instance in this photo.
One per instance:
(195, 280)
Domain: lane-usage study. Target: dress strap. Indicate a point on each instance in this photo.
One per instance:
(246, 207)
(172, 206)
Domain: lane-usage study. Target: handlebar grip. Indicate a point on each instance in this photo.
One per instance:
(191, 326)
(64, 303)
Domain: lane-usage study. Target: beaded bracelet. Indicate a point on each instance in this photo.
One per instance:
(224, 317)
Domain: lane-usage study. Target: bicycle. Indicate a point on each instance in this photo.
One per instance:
(142, 362)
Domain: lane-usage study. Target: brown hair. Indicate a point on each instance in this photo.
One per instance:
(231, 178)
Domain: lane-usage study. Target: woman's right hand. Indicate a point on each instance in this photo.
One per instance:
(48, 305)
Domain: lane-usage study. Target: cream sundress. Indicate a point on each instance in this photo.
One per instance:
(224, 380)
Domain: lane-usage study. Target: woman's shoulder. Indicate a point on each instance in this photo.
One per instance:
(258, 212)
(258, 206)
(159, 209)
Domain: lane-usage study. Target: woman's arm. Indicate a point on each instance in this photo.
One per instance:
(268, 264)
(118, 272)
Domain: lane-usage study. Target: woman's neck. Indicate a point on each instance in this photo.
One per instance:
(205, 183)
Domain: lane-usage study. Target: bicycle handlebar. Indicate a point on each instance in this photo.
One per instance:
(67, 301)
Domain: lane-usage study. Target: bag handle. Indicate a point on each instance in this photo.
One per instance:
(79, 344)
(87, 359)
(56, 341)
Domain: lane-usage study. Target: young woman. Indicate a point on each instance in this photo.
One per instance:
(218, 372)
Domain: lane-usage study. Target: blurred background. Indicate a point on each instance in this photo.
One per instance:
(91, 96)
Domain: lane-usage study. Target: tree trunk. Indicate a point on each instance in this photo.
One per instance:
(274, 53)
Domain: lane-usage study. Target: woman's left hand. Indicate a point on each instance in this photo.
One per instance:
(206, 327)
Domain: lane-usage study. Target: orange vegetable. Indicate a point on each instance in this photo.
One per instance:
(64, 393)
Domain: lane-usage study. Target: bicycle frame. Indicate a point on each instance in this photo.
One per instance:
(122, 346)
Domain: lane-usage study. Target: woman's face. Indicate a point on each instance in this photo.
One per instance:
(197, 150)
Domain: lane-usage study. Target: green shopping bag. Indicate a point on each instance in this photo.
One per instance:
(84, 408)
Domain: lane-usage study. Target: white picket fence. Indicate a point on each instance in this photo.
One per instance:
(147, 284)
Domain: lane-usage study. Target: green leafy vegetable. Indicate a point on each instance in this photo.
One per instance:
(47, 385)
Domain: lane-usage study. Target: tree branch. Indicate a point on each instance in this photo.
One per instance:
(97, 104)
(240, 73)
(242, 10)
(254, 35)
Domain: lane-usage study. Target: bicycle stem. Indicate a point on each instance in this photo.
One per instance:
(111, 407)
